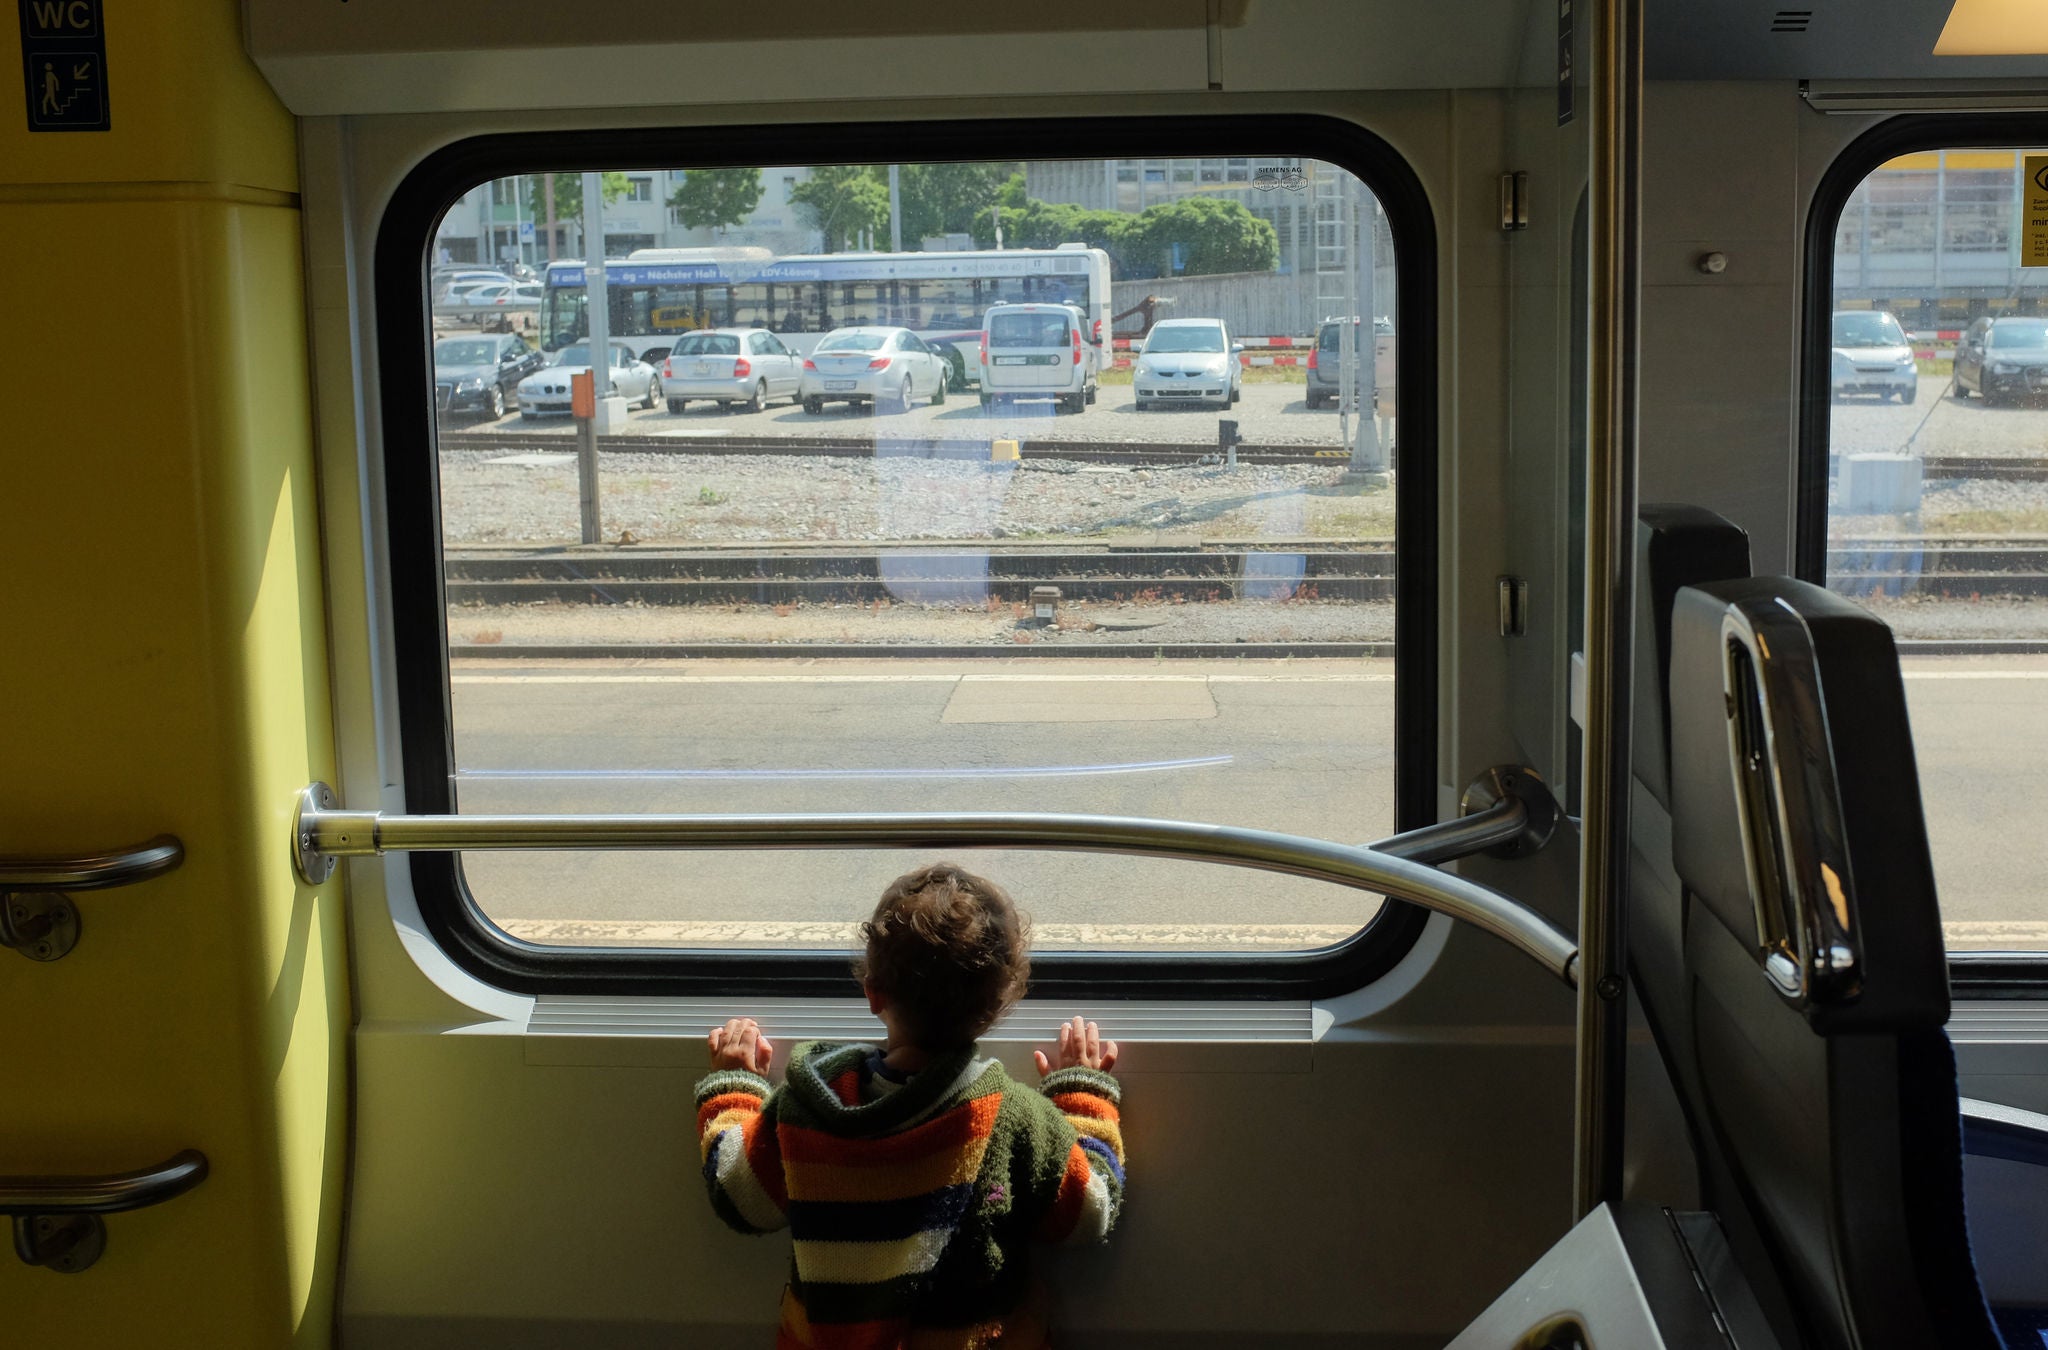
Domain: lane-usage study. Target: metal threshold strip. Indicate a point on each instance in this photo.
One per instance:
(324, 834)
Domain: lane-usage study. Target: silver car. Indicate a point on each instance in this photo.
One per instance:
(1187, 361)
(747, 366)
(1871, 356)
(547, 391)
(876, 366)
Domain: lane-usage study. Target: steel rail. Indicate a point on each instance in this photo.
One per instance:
(323, 834)
(104, 1194)
(91, 871)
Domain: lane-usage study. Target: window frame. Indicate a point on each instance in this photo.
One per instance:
(1976, 975)
(402, 259)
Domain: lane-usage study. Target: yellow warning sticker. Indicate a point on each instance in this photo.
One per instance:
(2034, 213)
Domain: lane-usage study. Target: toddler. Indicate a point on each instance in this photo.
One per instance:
(913, 1174)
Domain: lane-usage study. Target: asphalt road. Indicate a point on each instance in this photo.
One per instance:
(1266, 414)
(1301, 747)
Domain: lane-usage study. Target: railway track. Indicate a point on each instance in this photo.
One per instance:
(870, 447)
(1998, 468)
(1356, 571)
(921, 576)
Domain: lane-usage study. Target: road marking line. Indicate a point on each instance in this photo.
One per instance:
(1359, 677)
(1975, 674)
(722, 775)
(841, 934)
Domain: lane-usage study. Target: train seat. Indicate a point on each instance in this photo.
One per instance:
(1816, 983)
(1676, 546)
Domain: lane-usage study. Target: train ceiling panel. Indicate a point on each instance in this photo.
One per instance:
(391, 56)
(1811, 40)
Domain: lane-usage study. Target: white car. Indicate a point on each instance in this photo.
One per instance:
(547, 391)
(1871, 356)
(1187, 361)
(1037, 351)
(876, 366)
(730, 365)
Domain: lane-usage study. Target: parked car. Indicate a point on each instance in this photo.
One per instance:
(873, 366)
(747, 366)
(1188, 361)
(2003, 358)
(547, 391)
(1038, 351)
(499, 301)
(475, 374)
(1872, 356)
(446, 283)
(1325, 357)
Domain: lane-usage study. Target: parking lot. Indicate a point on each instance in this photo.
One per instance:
(1269, 414)
(1946, 426)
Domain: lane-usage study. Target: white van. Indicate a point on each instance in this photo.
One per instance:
(1038, 351)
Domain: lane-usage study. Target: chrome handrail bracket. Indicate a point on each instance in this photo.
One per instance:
(322, 835)
(313, 864)
(39, 920)
(57, 1222)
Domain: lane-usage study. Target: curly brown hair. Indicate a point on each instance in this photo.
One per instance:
(949, 950)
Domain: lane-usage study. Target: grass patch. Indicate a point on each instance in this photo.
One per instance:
(2026, 520)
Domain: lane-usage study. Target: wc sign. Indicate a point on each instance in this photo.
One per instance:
(64, 65)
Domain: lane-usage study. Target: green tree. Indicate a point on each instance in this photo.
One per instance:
(1214, 236)
(843, 200)
(944, 198)
(716, 197)
(568, 197)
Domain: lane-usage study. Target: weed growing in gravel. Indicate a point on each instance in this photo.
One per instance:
(709, 496)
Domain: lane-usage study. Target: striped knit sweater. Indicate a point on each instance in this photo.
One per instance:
(910, 1210)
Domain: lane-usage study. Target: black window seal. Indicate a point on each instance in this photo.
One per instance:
(401, 262)
(1976, 975)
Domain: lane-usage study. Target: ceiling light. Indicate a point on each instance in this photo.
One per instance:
(1995, 28)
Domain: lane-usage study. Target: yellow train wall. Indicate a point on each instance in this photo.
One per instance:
(165, 669)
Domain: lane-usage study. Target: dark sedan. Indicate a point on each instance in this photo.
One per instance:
(2003, 358)
(476, 374)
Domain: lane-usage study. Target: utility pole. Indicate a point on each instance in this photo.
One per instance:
(895, 209)
(597, 310)
(548, 189)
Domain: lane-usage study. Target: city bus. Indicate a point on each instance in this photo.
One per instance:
(656, 295)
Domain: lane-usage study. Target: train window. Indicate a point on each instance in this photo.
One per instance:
(1926, 486)
(837, 538)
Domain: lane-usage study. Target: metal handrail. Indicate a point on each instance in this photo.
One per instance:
(324, 833)
(1448, 840)
(103, 1195)
(91, 871)
(38, 919)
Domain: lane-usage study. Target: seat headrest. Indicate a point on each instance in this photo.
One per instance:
(1795, 803)
(1676, 546)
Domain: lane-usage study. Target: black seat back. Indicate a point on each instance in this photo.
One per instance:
(1676, 546)
(1815, 981)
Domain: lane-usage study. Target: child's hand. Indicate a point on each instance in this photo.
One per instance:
(739, 1044)
(1080, 1045)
